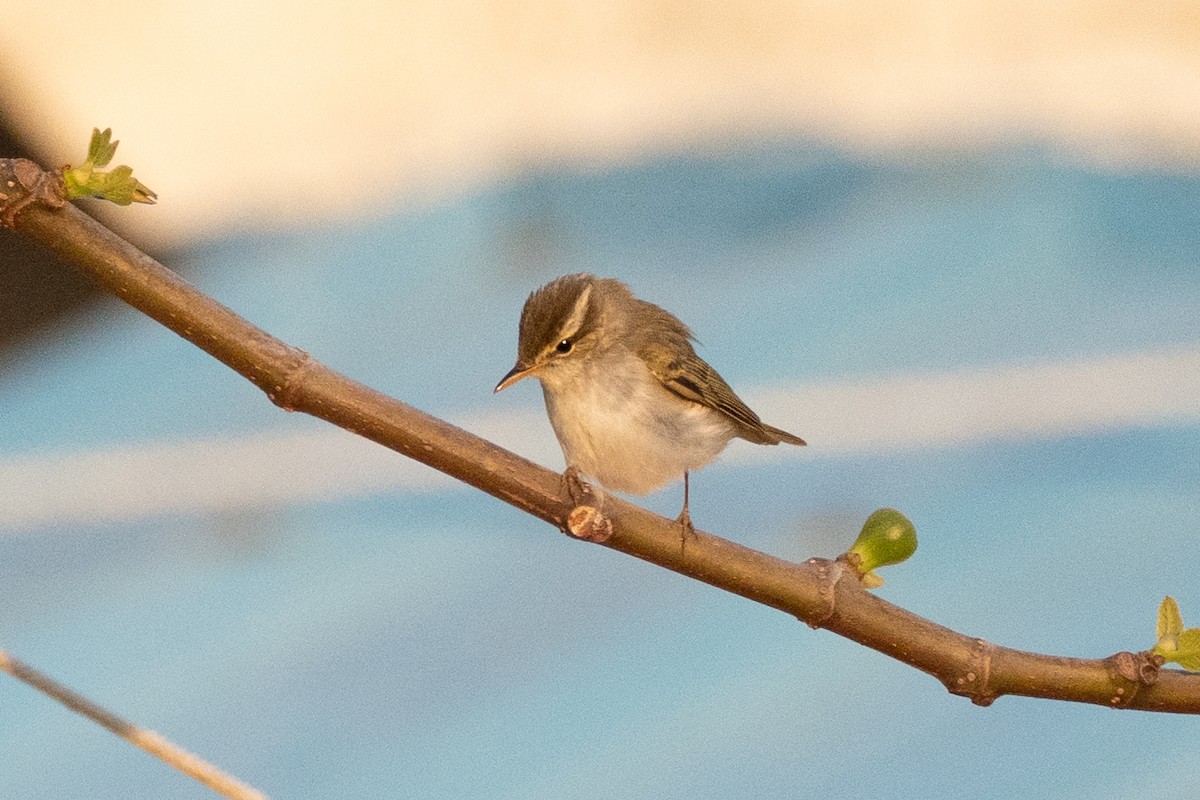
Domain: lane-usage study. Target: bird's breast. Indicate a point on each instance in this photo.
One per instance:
(619, 426)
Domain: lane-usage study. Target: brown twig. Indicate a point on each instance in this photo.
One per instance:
(22, 184)
(187, 763)
(817, 592)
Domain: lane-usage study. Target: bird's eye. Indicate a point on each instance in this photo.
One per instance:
(564, 346)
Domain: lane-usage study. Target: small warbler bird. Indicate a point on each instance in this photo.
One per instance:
(631, 403)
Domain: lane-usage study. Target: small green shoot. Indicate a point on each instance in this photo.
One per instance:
(117, 185)
(888, 537)
(1174, 643)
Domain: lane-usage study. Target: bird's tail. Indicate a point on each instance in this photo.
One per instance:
(768, 434)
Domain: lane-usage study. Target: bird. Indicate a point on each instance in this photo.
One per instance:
(632, 405)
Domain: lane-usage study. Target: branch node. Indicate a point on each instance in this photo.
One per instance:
(23, 183)
(589, 524)
(974, 682)
(1130, 672)
(586, 521)
(828, 574)
(285, 392)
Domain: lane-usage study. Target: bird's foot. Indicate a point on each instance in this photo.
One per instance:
(579, 490)
(686, 529)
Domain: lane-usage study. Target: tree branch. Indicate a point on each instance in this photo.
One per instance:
(821, 593)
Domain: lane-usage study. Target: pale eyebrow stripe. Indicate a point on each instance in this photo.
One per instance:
(574, 321)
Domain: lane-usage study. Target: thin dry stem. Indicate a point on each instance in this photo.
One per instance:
(191, 765)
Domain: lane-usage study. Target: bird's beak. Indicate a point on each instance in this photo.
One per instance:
(519, 370)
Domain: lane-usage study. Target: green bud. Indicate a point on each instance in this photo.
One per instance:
(117, 186)
(1188, 654)
(1174, 643)
(888, 537)
(1170, 623)
(101, 148)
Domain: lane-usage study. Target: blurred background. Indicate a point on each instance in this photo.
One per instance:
(952, 244)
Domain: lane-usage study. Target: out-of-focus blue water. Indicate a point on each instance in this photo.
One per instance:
(444, 645)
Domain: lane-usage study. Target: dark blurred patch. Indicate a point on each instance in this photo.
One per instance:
(36, 289)
(693, 208)
(1145, 221)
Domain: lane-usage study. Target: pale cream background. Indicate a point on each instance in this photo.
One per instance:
(248, 114)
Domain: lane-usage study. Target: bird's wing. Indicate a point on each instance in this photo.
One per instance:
(686, 374)
(693, 379)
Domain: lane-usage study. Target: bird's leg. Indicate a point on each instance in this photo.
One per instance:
(685, 519)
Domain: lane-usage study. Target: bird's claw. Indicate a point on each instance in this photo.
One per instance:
(579, 490)
(686, 529)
